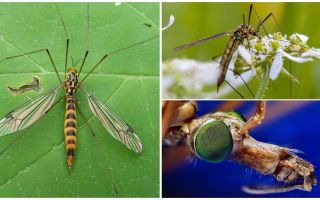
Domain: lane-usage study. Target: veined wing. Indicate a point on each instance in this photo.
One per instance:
(118, 128)
(201, 41)
(28, 113)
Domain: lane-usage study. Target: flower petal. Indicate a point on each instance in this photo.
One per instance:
(245, 54)
(312, 52)
(303, 38)
(276, 66)
(295, 59)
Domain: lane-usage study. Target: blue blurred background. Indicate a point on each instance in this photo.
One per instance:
(292, 124)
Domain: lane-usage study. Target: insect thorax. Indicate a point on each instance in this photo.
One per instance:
(244, 31)
(71, 83)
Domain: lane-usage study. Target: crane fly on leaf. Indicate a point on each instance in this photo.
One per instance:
(31, 111)
(237, 37)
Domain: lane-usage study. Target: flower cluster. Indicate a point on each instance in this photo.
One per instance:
(271, 50)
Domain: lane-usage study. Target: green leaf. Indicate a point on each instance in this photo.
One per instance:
(33, 160)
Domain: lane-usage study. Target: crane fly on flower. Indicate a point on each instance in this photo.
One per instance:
(237, 37)
(28, 113)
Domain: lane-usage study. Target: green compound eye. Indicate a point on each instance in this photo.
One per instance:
(213, 141)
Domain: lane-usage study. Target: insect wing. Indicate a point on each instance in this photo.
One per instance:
(201, 41)
(28, 113)
(118, 128)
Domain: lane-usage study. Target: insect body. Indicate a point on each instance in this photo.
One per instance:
(225, 136)
(70, 130)
(241, 33)
(244, 31)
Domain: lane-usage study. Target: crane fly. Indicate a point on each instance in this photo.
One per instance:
(32, 110)
(241, 33)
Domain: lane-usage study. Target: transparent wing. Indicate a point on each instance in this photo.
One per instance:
(118, 128)
(28, 113)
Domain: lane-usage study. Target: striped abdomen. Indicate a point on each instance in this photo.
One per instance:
(226, 58)
(70, 128)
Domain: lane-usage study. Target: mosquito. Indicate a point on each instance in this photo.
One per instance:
(31, 111)
(237, 37)
(220, 136)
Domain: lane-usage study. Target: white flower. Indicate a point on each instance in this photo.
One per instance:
(271, 50)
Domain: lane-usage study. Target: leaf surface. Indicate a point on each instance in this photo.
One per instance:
(33, 161)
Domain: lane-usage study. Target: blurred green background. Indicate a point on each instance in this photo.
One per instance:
(197, 20)
(33, 160)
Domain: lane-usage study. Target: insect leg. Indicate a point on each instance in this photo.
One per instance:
(83, 60)
(115, 52)
(250, 10)
(256, 119)
(261, 22)
(88, 39)
(238, 74)
(67, 36)
(242, 97)
(32, 52)
(86, 121)
(201, 41)
(270, 190)
(243, 19)
(55, 103)
(66, 59)
(88, 25)
(176, 112)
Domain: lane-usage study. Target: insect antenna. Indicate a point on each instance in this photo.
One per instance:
(67, 36)
(115, 52)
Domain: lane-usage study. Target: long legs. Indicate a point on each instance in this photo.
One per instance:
(115, 52)
(33, 52)
(256, 119)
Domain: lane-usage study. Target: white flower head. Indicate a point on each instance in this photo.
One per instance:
(271, 50)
